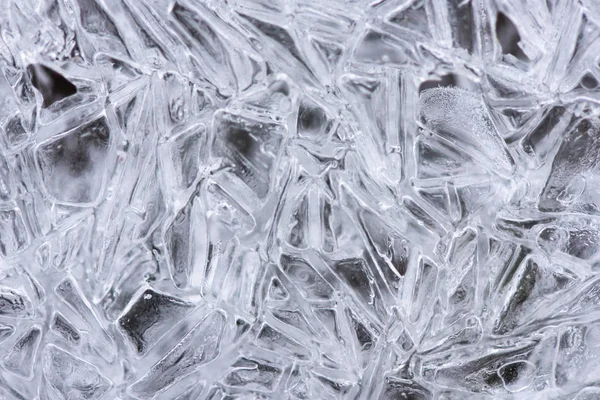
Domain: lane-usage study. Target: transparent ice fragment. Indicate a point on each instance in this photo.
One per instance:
(589, 393)
(16, 130)
(63, 327)
(379, 48)
(480, 373)
(68, 291)
(74, 164)
(14, 304)
(292, 318)
(333, 384)
(207, 44)
(253, 374)
(391, 247)
(544, 136)
(71, 377)
(134, 267)
(575, 359)
(575, 237)
(299, 234)
(368, 94)
(152, 203)
(438, 158)
(312, 120)
(575, 162)
(278, 35)
(534, 284)
(365, 338)
(243, 281)
(150, 316)
(117, 72)
(425, 282)
(328, 52)
(517, 375)
(6, 331)
(277, 291)
(179, 238)
(398, 389)
(411, 16)
(186, 152)
(192, 393)
(6, 183)
(10, 103)
(21, 356)
(356, 275)
(460, 117)
(460, 17)
(250, 147)
(311, 284)
(274, 102)
(200, 346)
(183, 101)
(463, 332)
(272, 339)
(423, 216)
(228, 210)
(13, 234)
(97, 22)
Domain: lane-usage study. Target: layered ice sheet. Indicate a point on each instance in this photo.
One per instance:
(299, 199)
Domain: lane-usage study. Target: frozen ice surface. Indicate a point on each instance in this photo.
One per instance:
(299, 199)
(66, 376)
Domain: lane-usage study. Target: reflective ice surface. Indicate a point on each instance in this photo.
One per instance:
(299, 199)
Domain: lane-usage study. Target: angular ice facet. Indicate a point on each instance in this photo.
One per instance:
(68, 291)
(150, 315)
(187, 152)
(6, 331)
(274, 340)
(200, 346)
(65, 329)
(21, 357)
(253, 375)
(13, 233)
(249, 148)
(307, 279)
(180, 244)
(72, 377)
(460, 117)
(573, 165)
(74, 164)
(14, 304)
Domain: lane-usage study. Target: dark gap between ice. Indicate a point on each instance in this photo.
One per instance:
(52, 86)
(509, 38)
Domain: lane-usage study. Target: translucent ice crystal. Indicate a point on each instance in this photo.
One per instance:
(299, 199)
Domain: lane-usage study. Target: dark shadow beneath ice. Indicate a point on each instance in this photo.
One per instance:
(52, 86)
(509, 38)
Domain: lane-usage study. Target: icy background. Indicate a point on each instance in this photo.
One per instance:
(299, 199)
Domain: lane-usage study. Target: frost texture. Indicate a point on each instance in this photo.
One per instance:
(299, 199)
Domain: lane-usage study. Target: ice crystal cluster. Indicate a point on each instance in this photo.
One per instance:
(299, 199)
